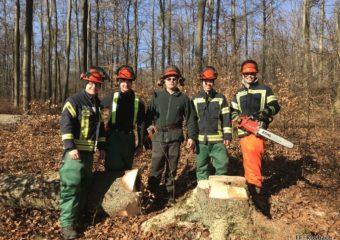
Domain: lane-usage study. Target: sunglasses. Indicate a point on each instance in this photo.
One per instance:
(172, 79)
(248, 74)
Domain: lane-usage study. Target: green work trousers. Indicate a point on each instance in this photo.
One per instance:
(120, 151)
(219, 159)
(75, 182)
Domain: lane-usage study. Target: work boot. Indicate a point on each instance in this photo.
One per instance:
(68, 232)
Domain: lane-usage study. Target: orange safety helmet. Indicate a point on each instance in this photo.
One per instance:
(249, 66)
(208, 73)
(125, 72)
(92, 75)
(171, 70)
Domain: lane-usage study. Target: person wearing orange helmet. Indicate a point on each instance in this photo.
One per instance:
(165, 115)
(214, 125)
(257, 101)
(82, 132)
(126, 110)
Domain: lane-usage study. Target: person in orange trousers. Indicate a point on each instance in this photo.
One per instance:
(256, 100)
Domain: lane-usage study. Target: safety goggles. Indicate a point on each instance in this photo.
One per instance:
(174, 79)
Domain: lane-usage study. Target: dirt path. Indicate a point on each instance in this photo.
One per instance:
(9, 118)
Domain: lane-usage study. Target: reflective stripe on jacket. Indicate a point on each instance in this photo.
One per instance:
(248, 101)
(213, 115)
(80, 118)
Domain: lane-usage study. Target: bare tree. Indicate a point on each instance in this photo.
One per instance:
(89, 37)
(97, 32)
(321, 37)
(27, 55)
(68, 43)
(245, 28)
(199, 35)
(135, 30)
(57, 90)
(84, 11)
(153, 44)
(49, 70)
(210, 27)
(169, 13)
(233, 39)
(264, 38)
(306, 37)
(17, 54)
(162, 12)
(217, 27)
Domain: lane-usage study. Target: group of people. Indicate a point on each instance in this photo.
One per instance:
(207, 116)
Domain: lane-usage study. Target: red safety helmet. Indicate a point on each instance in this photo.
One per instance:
(249, 66)
(208, 73)
(125, 72)
(92, 75)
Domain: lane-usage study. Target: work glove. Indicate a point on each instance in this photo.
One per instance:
(262, 116)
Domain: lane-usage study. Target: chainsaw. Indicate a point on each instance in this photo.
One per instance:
(253, 126)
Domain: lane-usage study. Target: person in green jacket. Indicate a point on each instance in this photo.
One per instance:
(164, 117)
(214, 124)
(126, 110)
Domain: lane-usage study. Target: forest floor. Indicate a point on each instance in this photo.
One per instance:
(301, 185)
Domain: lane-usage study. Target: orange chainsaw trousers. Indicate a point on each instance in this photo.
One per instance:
(252, 148)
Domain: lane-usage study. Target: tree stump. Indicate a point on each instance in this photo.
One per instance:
(116, 193)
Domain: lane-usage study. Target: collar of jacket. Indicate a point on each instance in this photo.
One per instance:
(251, 85)
(89, 96)
(176, 93)
(128, 93)
(211, 94)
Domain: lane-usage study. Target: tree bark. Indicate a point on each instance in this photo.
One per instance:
(153, 44)
(27, 55)
(162, 12)
(320, 43)
(135, 33)
(264, 39)
(111, 192)
(217, 28)
(96, 48)
(89, 37)
(17, 54)
(68, 48)
(233, 40)
(57, 90)
(210, 27)
(306, 38)
(245, 28)
(49, 47)
(42, 85)
(84, 11)
(169, 14)
(199, 36)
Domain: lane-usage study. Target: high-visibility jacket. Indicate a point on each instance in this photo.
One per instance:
(127, 110)
(213, 113)
(248, 101)
(80, 119)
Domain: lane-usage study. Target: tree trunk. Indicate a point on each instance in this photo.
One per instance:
(127, 49)
(27, 55)
(162, 12)
(217, 28)
(111, 192)
(306, 39)
(153, 44)
(220, 203)
(89, 37)
(17, 54)
(97, 33)
(42, 85)
(169, 14)
(33, 80)
(68, 43)
(79, 64)
(199, 36)
(233, 41)
(210, 27)
(84, 11)
(135, 32)
(245, 28)
(57, 93)
(320, 43)
(49, 71)
(264, 39)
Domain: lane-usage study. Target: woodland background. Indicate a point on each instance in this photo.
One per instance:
(45, 45)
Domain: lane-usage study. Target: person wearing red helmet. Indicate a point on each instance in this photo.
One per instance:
(82, 132)
(258, 101)
(165, 115)
(126, 111)
(214, 127)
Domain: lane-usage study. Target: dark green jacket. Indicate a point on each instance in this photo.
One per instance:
(167, 112)
(213, 112)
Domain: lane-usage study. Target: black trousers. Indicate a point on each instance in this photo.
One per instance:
(164, 155)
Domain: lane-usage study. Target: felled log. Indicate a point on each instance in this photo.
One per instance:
(115, 193)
